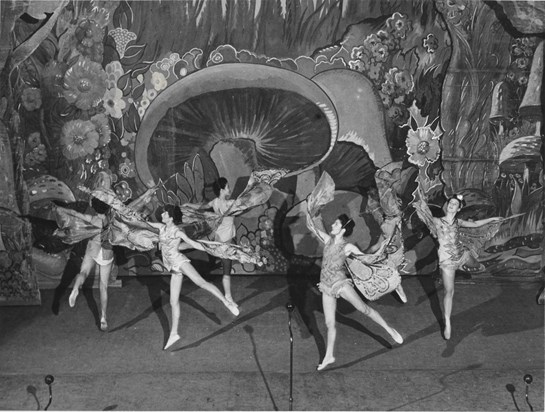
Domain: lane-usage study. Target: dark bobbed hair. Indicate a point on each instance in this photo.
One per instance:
(458, 198)
(347, 224)
(99, 206)
(218, 185)
(173, 211)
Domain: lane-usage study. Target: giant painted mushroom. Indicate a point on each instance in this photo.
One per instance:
(237, 117)
(531, 108)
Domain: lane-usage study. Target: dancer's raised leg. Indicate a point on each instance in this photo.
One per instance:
(87, 265)
(192, 274)
(351, 296)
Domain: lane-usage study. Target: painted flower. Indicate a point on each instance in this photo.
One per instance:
(149, 94)
(159, 81)
(113, 102)
(398, 25)
(53, 78)
(122, 37)
(386, 100)
(357, 65)
(380, 52)
(216, 58)
(114, 70)
(79, 138)
(33, 140)
(85, 84)
(423, 146)
(128, 139)
(522, 80)
(398, 114)
(126, 169)
(89, 36)
(374, 71)
(371, 42)
(31, 98)
(430, 43)
(123, 191)
(404, 80)
(522, 62)
(357, 52)
(102, 126)
(388, 88)
(39, 152)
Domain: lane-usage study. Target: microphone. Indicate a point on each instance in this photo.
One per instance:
(49, 379)
(528, 379)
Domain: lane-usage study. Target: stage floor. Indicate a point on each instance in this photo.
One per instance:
(243, 363)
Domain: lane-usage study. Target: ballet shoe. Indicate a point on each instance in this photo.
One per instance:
(401, 293)
(230, 300)
(72, 298)
(446, 332)
(171, 341)
(324, 364)
(396, 336)
(233, 308)
(103, 325)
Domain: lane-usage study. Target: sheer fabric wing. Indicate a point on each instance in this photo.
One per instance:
(424, 213)
(373, 280)
(232, 252)
(474, 238)
(74, 226)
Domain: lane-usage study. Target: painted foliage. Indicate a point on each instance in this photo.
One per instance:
(378, 94)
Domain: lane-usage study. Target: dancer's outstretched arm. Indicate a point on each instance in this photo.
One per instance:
(478, 223)
(323, 236)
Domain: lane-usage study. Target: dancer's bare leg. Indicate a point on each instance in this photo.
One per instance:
(87, 265)
(226, 279)
(448, 285)
(351, 296)
(330, 306)
(104, 271)
(192, 274)
(175, 289)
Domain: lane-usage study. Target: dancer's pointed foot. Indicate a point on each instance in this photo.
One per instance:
(447, 331)
(233, 308)
(396, 336)
(325, 363)
(103, 325)
(171, 341)
(401, 293)
(230, 299)
(73, 296)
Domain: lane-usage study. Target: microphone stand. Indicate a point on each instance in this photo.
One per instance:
(528, 379)
(49, 380)
(289, 307)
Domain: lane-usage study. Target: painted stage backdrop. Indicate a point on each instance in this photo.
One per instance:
(378, 94)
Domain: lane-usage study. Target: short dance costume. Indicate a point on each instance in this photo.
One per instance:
(226, 230)
(451, 251)
(333, 274)
(169, 241)
(99, 248)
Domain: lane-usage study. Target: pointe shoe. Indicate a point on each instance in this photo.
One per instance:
(103, 325)
(446, 332)
(233, 308)
(324, 364)
(396, 336)
(401, 293)
(230, 299)
(72, 298)
(171, 341)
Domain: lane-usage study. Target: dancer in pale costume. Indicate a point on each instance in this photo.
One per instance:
(225, 231)
(458, 240)
(170, 237)
(334, 282)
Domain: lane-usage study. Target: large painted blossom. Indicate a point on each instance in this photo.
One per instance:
(84, 84)
(423, 146)
(53, 78)
(79, 138)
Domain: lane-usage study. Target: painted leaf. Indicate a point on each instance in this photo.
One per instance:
(138, 91)
(124, 83)
(139, 68)
(132, 119)
(184, 185)
(116, 126)
(162, 195)
(172, 198)
(123, 15)
(183, 197)
(133, 54)
(188, 173)
(198, 175)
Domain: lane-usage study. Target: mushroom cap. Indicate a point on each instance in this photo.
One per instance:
(44, 189)
(275, 118)
(530, 107)
(503, 103)
(520, 151)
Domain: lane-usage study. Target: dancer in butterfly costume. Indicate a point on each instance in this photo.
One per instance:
(458, 240)
(334, 282)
